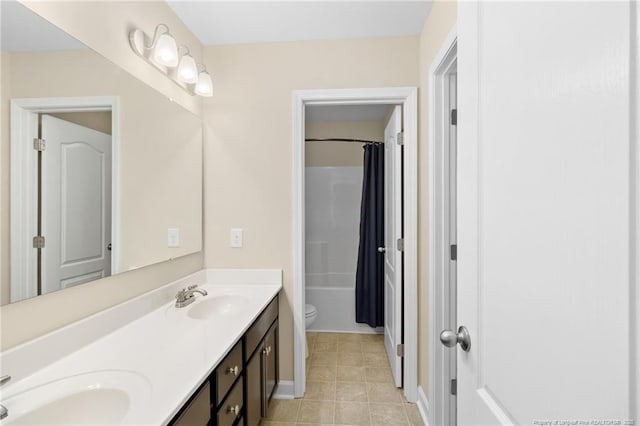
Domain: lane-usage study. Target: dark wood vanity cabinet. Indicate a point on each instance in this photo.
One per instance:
(228, 401)
(270, 376)
(198, 408)
(262, 364)
(239, 390)
(261, 377)
(253, 402)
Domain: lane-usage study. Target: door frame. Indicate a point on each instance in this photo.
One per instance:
(23, 192)
(634, 121)
(408, 98)
(440, 357)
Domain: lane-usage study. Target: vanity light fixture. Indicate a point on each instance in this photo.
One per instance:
(163, 53)
(187, 68)
(165, 50)
(162, 48)
(204, 86)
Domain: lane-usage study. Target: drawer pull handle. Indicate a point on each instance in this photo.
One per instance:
(268, 350)
(235, 409)
(233, 370)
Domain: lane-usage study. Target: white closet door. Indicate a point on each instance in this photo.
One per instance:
(544, 218)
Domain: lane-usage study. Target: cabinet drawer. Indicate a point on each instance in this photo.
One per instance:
(199, 410)
(228, 371)
(231, 408)
(261, 326)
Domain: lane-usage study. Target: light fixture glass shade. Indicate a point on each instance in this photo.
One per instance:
(166, 51)
(204, 86)
(187, 69)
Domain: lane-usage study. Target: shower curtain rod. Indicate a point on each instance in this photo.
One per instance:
(340, 140)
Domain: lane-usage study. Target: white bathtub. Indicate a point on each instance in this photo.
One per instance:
(336, 305)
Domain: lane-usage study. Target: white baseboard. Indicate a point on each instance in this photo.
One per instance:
(423, 405)
(284, 390)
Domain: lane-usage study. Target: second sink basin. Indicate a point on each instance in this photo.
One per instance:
(210, 306)
(95, 398)
(87, 407)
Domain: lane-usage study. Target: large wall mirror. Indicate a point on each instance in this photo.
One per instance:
(101, 174)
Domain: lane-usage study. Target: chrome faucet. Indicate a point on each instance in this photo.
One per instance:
(3, 410)
(185, 297)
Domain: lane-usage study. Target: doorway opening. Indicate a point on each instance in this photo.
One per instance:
(318, 268)
(353, 221)
(63, 193)
(336, 140)
(443, 173)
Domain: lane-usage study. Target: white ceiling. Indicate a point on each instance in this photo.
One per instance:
(22, 30)
(231, 22)
(318, 113)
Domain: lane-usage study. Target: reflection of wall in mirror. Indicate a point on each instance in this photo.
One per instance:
(160, 150)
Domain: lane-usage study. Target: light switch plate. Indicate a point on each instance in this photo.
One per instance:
(173, 237)
(235, 237)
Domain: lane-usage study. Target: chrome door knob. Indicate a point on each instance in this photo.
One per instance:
(449, 338)
(382, 249)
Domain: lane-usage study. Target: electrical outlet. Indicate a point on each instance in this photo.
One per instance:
(235, 238)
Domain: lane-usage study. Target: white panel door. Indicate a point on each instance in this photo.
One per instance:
(544, 219)
(392, 231)
(76, 210)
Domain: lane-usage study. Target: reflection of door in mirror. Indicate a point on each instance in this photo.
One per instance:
(72, 183)
(76, 204)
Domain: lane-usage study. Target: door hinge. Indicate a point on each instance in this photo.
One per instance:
(38, 242)
(39, 144)
(400, 138)
(453, 250)
(454, 117)
(400, 349)
(454, 387)
(400, 244)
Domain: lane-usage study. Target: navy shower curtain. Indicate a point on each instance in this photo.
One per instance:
(370, 271)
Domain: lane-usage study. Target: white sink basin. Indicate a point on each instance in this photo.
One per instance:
(98, 398)
(224, 304)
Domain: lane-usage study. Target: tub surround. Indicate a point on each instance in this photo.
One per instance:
(336, 311)
(165, 353)
(332, 225)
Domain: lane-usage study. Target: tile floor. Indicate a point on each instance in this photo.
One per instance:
(349, 382)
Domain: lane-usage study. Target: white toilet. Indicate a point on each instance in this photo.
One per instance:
(310, 315)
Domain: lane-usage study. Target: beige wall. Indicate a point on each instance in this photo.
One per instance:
(248, 148)
(104, 27)
(339, 154)
(440, 22)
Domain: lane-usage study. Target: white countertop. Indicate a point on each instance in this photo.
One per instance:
(161, 358)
